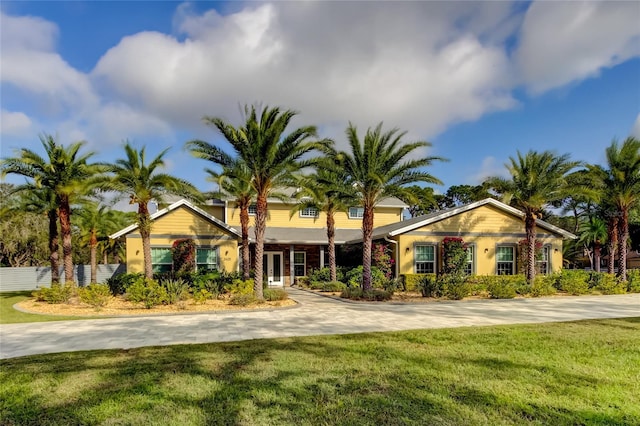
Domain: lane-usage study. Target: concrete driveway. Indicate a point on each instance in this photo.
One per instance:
(315, 315)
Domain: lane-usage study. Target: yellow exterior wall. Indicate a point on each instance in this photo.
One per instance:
(485, 227)
(280, 216)
(184, 223)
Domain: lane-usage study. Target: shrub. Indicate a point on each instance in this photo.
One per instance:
(201, 296)
(238, 287)
(543, 286)
(354, 277)
(273, 294)
(183, 255)
(454, 255)
(454, 286)
(633, 281)
(303, 282)
(118, 284)
(607, 283)
(334, 286)
(242, 299)
(57, 293)
(177, 290)
(96, 295)
(501, 288)
(324, 275)
(381, 258)
(574, 282)
(429, 286)
(411, 282)
(374, 295)
(477, 284)
(148, 292)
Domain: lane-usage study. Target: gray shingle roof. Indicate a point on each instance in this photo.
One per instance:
(275, 235)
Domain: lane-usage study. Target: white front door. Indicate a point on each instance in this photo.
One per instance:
(272, 265)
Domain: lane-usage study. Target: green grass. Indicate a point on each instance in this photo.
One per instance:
(584, 372)
(8, 315)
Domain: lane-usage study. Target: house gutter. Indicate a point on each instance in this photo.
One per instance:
(395, 243)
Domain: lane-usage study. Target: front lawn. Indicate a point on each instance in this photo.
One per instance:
(582, 372)
(8, 315)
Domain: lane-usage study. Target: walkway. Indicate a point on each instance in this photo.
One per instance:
(316, 315)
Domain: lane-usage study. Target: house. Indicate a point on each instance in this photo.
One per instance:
(295, 243)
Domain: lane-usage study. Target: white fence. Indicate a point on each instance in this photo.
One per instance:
(34, 277)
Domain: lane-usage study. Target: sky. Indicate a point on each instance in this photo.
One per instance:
(478, 80)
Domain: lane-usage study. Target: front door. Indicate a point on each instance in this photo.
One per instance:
(272, 268)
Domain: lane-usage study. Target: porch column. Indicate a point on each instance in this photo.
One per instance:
(291, 268)
(321, 257)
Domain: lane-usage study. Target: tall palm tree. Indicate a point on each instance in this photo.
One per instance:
(593, 233)
(235, 182)
(377, 168)
(142, 182)
(324, 192)
(622, 180)
(95, 222)
(64, 172)
(114, 247)
(271, 154)
(537, 180)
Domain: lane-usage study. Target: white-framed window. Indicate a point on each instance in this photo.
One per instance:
(309, 212)
(161, 259)
(543, 264)
(356, 212)
(207, 258)
(253, 209)
(425, 259)
(469, 266)
(299, 264)
(505, 260)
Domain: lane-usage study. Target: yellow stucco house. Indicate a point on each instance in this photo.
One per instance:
(296, 243)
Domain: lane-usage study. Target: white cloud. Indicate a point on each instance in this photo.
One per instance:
(14, 123)
(488, 168)
(405, 63)
(563, 42)
(635, 131)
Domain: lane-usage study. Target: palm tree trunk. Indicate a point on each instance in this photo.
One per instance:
(612, 229)
(65, 230)
(93, 244)
(331, 248)
(261, 224)
(105, 256)
(623, 237)
(367, 232)
(244, 224)
(597, 247)
(530, 228)
(54, 249)
(144, 223)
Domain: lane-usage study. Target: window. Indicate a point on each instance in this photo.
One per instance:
(309, 212)
(505, 258)
(299, 264)
(425, 259)
(356, 212)
(253, 209)
(207, 258)
(542, 264)
(161, 260)
(468, 268)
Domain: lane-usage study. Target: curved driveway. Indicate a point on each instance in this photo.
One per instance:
(315, 315)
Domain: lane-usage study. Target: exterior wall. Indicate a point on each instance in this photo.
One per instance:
(184, 223)
(35, 277)
(280, 216)
(312, 257)
(215, 211)
(485, 228)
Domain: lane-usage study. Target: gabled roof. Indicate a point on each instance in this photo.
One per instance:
(174, 206)
(420, 221)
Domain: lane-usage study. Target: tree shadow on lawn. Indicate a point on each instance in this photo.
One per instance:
(351, 379)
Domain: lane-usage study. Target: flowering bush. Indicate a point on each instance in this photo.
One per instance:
(183, 255)
(454, 255)
(382, 259)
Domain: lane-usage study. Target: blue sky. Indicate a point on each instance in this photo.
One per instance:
(479, 80)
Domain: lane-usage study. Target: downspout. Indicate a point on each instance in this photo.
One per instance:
(395, 243)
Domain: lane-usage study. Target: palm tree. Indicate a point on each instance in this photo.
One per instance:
(235, 182)
(537, 180)
(271, 156)
(323, 191)
(65, 173)
(622, 180)
(594, 233)
(143, 183)
(95, 222)
(114, 247)
(378, 168)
